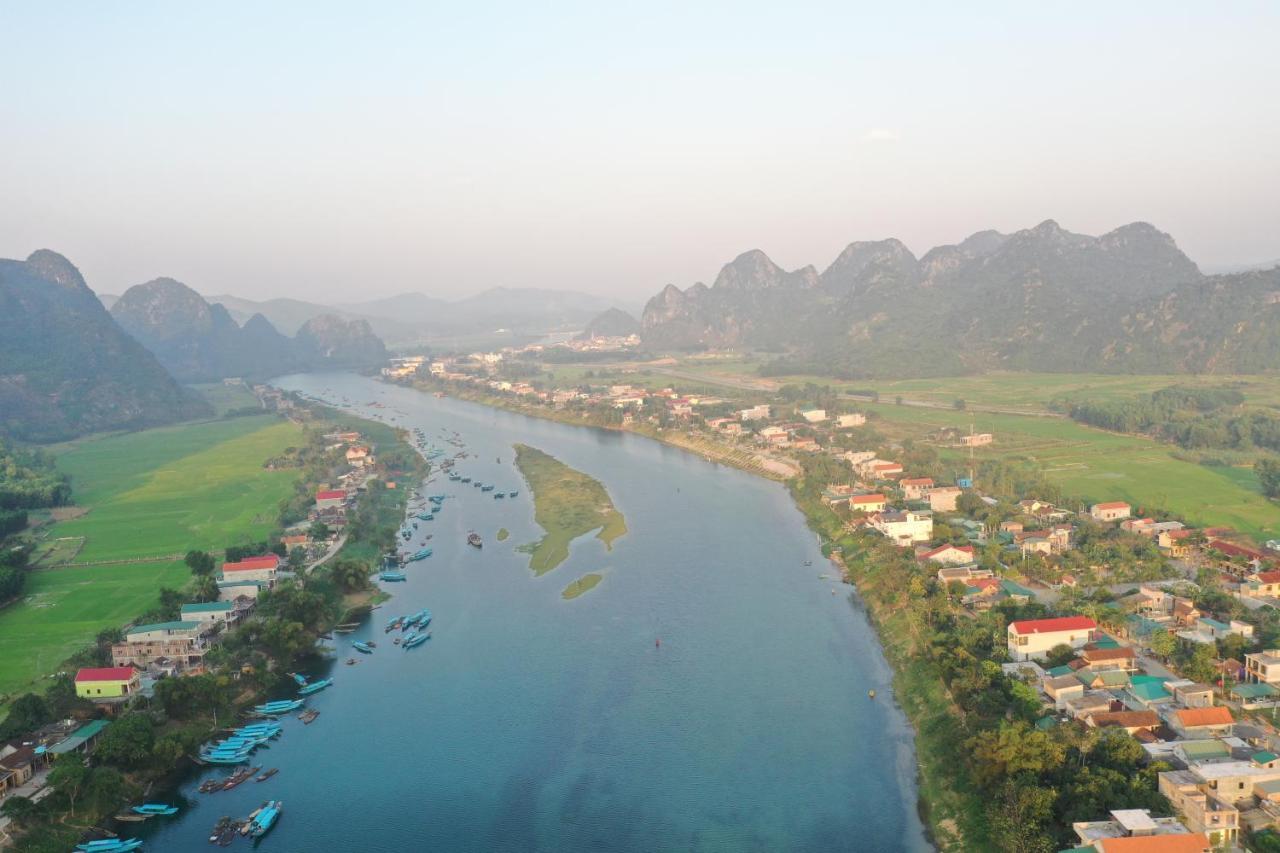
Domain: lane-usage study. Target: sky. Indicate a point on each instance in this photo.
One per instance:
(341, 151)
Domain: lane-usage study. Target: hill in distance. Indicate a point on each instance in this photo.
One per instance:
(200, 342)
(66, 368)
(1040, 299)
(613, 323)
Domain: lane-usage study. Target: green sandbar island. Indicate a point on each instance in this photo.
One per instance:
(566, 504)
(582, 585)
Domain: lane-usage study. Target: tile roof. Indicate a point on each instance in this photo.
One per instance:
(1126, 719)
(106, 673)
(1192, 842)
(1044, 626)
(1215, 715)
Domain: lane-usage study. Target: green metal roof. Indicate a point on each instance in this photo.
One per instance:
(1253, 691)
(1013, 588)
(79, 737)
(1046, 723)
(163, 626)
(207, 607)
(1215, 624)
(1141, 626)
(1148, 679)
(1149, 692)
(1106, 642)
(1264, 757)
(1059, 671)
(1201, 749)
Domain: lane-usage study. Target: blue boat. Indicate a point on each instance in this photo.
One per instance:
(416, 640)
(392, 576)
(280, 706)
(315, 687)
(238, 758)
(424, 618)
(155, 809)
(425, 516)
(486, 488)
(362, 647)
(301, 679)
(419, 555)
(409, 638)
(110, 845)
(265, 819)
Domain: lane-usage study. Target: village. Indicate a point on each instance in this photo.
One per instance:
(142, 657)
(1145, 625)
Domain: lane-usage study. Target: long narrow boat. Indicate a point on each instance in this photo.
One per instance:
(392, 577)
(275, 709)
(155, 809)
(301, 679)
(488, 488)
(110, 845)
(265, 819)
(417, 640)
(315, 687)
(362, 647)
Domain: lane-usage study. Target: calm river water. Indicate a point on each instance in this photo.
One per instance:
(530, 723)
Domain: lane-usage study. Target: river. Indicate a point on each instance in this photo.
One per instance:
(531, 723)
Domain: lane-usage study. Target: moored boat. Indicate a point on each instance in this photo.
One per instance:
(417, 640)
(150, 809)
(474, 540)
(392, 577)
(315, 687)
(261, 824)
(362, 647)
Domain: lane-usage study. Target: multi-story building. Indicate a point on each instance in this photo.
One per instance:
(1033, 638)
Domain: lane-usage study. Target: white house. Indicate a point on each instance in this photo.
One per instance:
(252, 569)
(209, 613)
(855, 419)
(904, 528)
(814, 416)
(1033, 638)
(1110, 511)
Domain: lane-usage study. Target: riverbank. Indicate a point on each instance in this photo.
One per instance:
(566, 504)
(713, 451)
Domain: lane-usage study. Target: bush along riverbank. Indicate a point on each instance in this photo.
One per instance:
(146, 746)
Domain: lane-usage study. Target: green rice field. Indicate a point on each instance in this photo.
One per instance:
(149, 494)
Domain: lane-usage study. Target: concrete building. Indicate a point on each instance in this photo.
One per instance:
(1111, 511)
(1033, 638)
(904, 528)
(113, 683)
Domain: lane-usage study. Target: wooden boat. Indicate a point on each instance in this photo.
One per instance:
(265, 776)
(474, 540)
(308, 716)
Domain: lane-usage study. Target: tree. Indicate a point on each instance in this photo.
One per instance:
(18, 809)
(1162, 644)
(205, 588)
(351, 575)
(1268, 473)
(1200, 666)
(69, 777)
(297, 558)
(29, 711)
(1014, 748)
(200, 562)
(958, 404)
(1059, 655)
(105, 790)
(1018, 816)
(171, 601)
(319, 531)
(183, 698)
(127, 742)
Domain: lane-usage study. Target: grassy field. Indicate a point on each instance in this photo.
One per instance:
(1097, 465)
(168, 490)
(151, 493)
(64, 609)
(226, 398)
(566, 504)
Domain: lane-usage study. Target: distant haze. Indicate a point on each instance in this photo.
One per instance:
(342, 152)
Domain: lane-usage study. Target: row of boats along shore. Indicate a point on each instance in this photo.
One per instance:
(236, 747)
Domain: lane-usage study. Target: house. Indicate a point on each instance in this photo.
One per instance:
(916, 488)
(210, 613)
(358, 457)
(182, 643)
(82, 740)
(1111, 511)
(262, 568)
(981, 592)
(1082, 707)
(1131, 721)
(17, 766)
(963, 574)
(330, 498)
(1147, 691)
(1136, 831)
(1139, 526)
(1033, 638)
(884, 470)
(1101, 679)
(1203, 806)
(868, 503)
(1174, 543)
(1262, 585)
(980, 439)
(855, 419)
(814, 416)
(951, 555)
(1100, 659)
(1033, 543)
(1207, 631)
(904, 528)
(943, 498)
(1061, 689)
(107, 683)
(1202, 723)
(756, 413)
(234, 590)
(1042, 510)
(1191, 694)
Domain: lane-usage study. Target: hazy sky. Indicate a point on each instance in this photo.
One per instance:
(349, 150)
